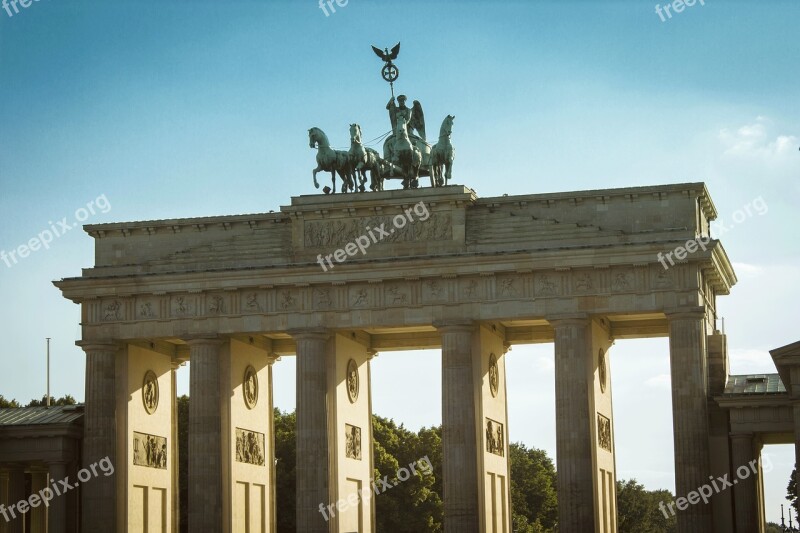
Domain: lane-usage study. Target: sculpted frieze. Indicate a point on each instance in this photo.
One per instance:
(334, 233)
(446, 289)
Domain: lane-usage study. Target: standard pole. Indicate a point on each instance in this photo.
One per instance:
(48, 373)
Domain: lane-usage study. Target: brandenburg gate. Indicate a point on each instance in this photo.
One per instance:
(470, 276)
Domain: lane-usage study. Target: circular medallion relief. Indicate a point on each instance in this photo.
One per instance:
(494, 376)
(250, 387)
(602, 370)
(352, 380)
(150, 392)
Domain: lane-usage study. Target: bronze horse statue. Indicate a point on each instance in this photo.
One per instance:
(443, 154)
(330, 160)
(363, 159)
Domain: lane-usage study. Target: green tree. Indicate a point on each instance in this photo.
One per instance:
(773, 528)
(791, 494)
(285, 475)
(413, 505)
(7, 404)
(533, 490)
(639, 510)
(64, 400)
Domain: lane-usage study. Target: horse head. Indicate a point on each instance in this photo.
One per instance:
(355, 133)
(447, 126)
(317, 138)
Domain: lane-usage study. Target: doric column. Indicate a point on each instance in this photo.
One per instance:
(205, 434)
(312, 430)
(459, 446)
(687, 348)
(16, 493)
(57, 517)
(745, 491)
(99, 498)
(573, 425)
(38, 514)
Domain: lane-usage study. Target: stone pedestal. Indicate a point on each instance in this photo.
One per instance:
(687, 345)
(312, 469)
(100, 437)
(205, 437)
(584, 426)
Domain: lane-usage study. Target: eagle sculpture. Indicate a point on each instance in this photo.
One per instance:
(386, 55)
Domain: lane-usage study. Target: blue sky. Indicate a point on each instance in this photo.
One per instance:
(185, 108)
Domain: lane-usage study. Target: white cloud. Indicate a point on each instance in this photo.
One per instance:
(755, 140)
(751, 361)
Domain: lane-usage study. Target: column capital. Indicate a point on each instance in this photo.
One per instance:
(204, 340)
(569, 319)
(454, 324)
(91, 345)
(677, 313)
(309, 333)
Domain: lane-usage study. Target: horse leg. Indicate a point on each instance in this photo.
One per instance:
(361, 172)
(314, 174)
(333, 181)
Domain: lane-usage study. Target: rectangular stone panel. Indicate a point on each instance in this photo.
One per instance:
(149, 450)
(249, 447)
(352, 441)
(604, 432)
(495, 438)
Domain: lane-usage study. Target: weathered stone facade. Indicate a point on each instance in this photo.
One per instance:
(469, 275)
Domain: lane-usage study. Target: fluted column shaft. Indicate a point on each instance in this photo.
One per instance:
(99, 498)
(459, 432)
(57, 513)
(312, 430)
(205, 437)
(745, 492)
(688, 364)
(38, 515)
(16, 493)
(573, 343)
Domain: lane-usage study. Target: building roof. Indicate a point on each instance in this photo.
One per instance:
(755, 384)
(34, 416)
